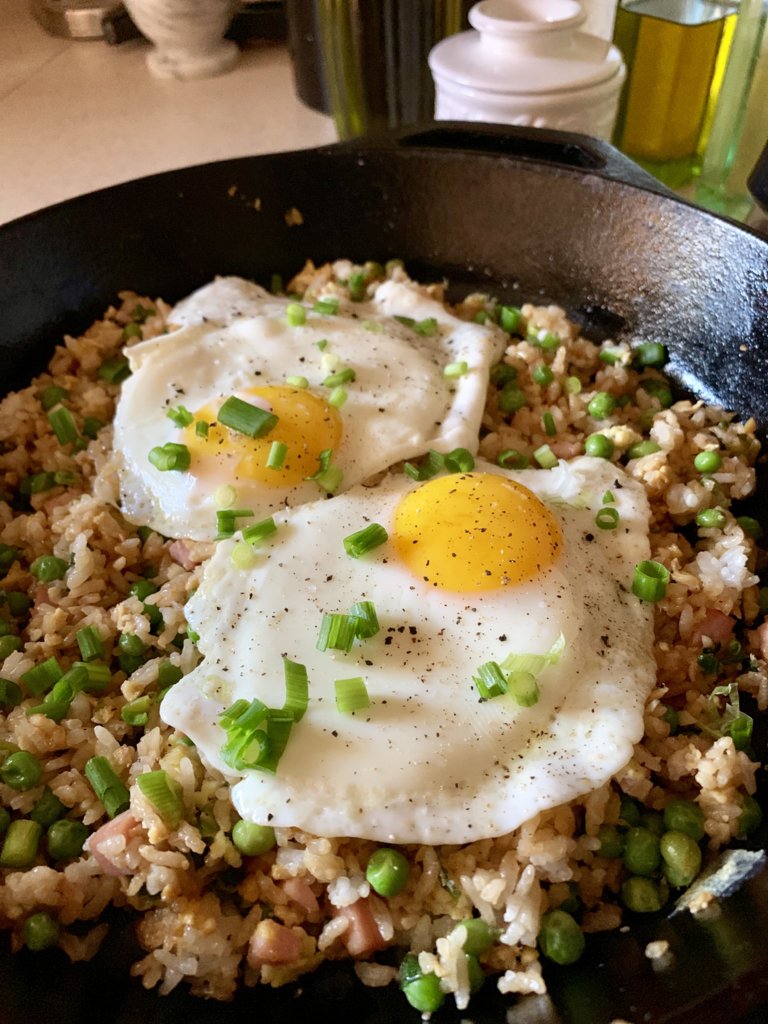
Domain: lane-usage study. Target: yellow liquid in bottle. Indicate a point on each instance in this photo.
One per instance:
(676, 52)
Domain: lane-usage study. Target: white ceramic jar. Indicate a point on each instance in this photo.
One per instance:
(188, 36)
(527, 63)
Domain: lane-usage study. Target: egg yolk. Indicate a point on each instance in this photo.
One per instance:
(307, 425)
(475, 531)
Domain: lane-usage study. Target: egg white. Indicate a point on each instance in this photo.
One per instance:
(428, 762)
(233, 335)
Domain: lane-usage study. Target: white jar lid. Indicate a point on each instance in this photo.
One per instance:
(525, 47)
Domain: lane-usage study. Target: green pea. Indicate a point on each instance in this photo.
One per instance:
(611, 841)
(750, 526)
(40, 931)
(685, 816)
(509, 318)
(511, 399)
(480, 936)
(560, 938)
(8, 644)
(5, 821)
(599, 446)
(629, 811)
(21, 771)
(65, 839)
(653, 822)
(48, 568)
(642, 895)
(252, 839)
(711, 519)
(681, 856)
(602, 405)
(542, 375)
(424, 993)
(130, 644)
(750, 818)
(659, 390)
(19, 603)
(650, 353)
(707, 462)
(672, 719)
(8, 555)
(572, 903)
(47, 809)
(641, 851)
(502, 375)
(387, 871)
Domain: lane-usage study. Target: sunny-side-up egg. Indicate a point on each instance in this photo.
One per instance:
(338, 397)
(480, 567)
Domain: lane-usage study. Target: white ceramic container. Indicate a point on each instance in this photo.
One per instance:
(528, 63)
(188, 36)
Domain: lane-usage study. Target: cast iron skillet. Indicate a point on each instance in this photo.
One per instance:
(539, 216)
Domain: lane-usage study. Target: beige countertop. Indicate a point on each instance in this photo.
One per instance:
(78, 115)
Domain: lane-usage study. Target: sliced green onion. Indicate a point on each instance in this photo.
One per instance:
(21, 771)
(47, 809)
(131, 331)
(427, 328)
(276, 283)
(225, 521)
(297, 382)
(295, 314)
(650, 581)
(611, 355)
(99, 676)
(454, 370)
(545, 457)
(57, 701)
(115, 371)
(360, 543)
(9, 644)
(41, 678)
(180, 415)
(356, 286)
(367, 624)
(432, 464)
(10, 693)
(322, 344)
(523, 688)
(535, 663)
(170, 456)
(460, 460)
(327, 477)
(165, 795)
(202, 428)
(502, 374)
(607, 518)
(63, 425)
(243, 556)
(543, 338)
(509, 318)
(490, 680)
(107, 786)
(136, 712)
(326, 306)
(511, 458)
(91, 427)
(245, 418)
(257, 532)
(351, 695)
(277, 454)
(650, 353)
(337, 632)
(711, 519)
(20, 844)
(338, 397)
(406, 321)
(548, 422)
(90, 643)
(51, 396)
(642, 448)
(279, 726)
(344, 376)
(296, 689)
(573, 385)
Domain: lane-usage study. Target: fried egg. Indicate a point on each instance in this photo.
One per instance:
(478, 567)
(355, 391)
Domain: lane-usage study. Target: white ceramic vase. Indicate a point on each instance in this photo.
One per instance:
(188, 36)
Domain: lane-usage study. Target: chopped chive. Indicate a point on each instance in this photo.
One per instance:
(607, 518)
(460, 460)
(295, 314)
(344, 376)
(297, 382)
(246, 418)
(90, 643)
(180, 415)
(115, 370)
(136, 712)
(201, 428)
(42, 677)
(257, 532)
(165, 795)
(454, 370)
(490, 680)
(337, 632)
(338, 397)
(277, 454)
(511, 458)
(360, 543)
(367, 624)
(548, 422)
(296, 689)
(63, 425)
(107, 786)
(650, 581)
(326, 306)
(170, 456)
(545, 457)
(351, 695)
(51, 396)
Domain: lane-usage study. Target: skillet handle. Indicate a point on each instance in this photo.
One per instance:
(561, 149)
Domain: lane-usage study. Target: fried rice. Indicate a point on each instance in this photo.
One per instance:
(215, 919)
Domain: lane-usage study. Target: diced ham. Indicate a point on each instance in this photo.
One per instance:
(715, 625)
(299, 891)
(124, 825)
(362, 937)
(566, 449)
(273, 943)
(759, 637)
(180, 553)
